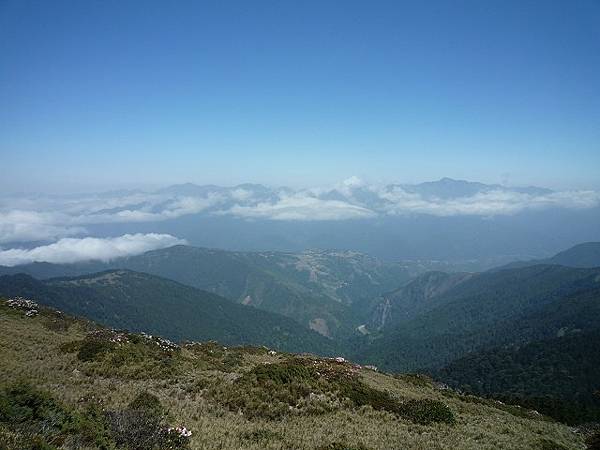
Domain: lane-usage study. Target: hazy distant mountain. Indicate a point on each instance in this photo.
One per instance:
(472, 224)
(142, 302)
(448, 188)
(581, 255)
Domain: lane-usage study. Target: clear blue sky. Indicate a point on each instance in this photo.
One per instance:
(101, 94)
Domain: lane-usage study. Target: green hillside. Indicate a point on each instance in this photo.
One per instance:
(68, 384)
(141, 302)
(490, 309)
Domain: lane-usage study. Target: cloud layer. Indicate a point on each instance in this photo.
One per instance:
(48, 218)
(70, 250)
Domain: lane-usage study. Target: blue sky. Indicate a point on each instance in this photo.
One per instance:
(118, 94)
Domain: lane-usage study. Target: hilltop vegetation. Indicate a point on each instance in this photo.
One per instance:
(68, 383)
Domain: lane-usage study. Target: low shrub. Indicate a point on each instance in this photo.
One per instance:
(362, 395)
(93, 349)
(137, 429)
(114, 354)
(426, 411)
(548, 444)
(147, 402)
(416, 379)
(38, 421)
(305, 386)
(261, 435)
(342, 446)
(31, 419)
(142, 426)
(56, 321)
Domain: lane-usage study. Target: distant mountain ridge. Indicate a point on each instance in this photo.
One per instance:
(449, 188)
(582, 255)
(435, 221)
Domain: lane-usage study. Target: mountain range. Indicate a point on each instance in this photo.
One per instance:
(323, 290)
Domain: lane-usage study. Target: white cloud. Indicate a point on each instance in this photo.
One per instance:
(48, 218)
(302, 207)
(70, 250)
(171, 209)
(21, 225)
(490, 203)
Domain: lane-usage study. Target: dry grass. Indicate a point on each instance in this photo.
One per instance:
(31, 351)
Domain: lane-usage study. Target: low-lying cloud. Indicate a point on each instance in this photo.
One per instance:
(49, 218)
(487, 204)
(302, 207)
(71, 250)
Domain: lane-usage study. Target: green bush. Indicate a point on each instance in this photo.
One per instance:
(134, 357)
(40, 422)
(147, 402)
(426, 411)
(56, 321)
(361, 395)
(93, 348)
(261, 435)
(415, 379)
(305, 386)
(286, 373)
(142, 426)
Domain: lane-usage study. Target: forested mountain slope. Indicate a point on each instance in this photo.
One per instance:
(489, 310)
(556, 376)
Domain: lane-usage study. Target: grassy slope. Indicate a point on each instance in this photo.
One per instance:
(30, 349)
